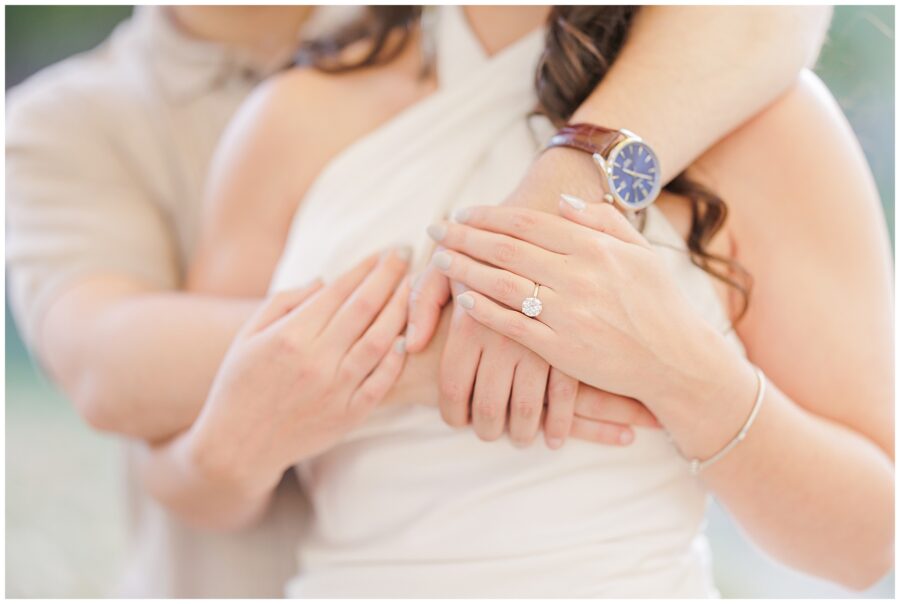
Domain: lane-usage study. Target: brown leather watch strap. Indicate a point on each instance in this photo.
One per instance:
(586, 137)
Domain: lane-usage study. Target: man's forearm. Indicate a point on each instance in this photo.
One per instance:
(682, 98)
(138, 363)
(173, 474)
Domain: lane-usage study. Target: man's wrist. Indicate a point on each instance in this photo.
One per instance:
(218, 467)
(558, 170)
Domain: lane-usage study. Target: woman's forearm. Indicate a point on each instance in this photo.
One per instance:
(810, 491)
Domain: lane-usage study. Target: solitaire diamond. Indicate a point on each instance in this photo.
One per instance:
(531, 307)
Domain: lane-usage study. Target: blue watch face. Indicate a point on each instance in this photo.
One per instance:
(634, 174)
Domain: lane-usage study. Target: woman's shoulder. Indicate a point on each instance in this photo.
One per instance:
(303, 117)
(299, 117)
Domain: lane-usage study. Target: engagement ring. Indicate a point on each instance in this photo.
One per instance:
(532, 307)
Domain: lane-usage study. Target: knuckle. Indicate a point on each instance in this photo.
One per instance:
(348, 370)
(583, 286)
(504, 287)
(364, 306)
(372, 347)
(562, 390)
(451, 391)
(523, 221)
(486, 410)
(524, 409)
(504, 252)
(285, 344)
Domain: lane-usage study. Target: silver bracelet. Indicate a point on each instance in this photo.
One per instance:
(697, 465)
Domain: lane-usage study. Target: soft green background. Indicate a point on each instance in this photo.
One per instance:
(64, 521)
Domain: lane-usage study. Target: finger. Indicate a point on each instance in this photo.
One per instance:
(540, 228)
(501, 285)
(605, 406)
(600, 216)
(330, 298)
(520, 257)
(375, 387)
(490, 398)
(531, 334)
(366, 302)
(603, 433)
(280, 304)
(368, 351)
(459, 363)
(561, 393)
(429, 294)
(527, 401)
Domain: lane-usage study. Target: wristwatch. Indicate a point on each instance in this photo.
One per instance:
(628, 166)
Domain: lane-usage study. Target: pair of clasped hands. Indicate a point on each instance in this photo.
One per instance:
(317, 361)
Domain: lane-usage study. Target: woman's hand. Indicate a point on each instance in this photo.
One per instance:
(311, 365)
(612, 315)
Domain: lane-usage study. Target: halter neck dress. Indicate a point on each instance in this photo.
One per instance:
(407, 506)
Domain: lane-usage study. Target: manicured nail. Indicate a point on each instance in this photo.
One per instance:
(437, 231)
(466, 301)
(576, 203)
(554, 443)
(400, 346)
(461, 215)
(442, 260)
(626, 437)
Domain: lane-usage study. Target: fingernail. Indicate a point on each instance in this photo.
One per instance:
(410, 333)
(400, 346)
(442, 260)
(466, 301)
(461, 215)
(437, 231)
(626, 437)
(576, 203)
(554, 443)
(404, 253)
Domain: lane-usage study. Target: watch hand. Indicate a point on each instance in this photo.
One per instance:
(636, 174)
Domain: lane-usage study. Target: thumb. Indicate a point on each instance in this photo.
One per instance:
(428, 295)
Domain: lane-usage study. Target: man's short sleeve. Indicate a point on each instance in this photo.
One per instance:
(76, 204)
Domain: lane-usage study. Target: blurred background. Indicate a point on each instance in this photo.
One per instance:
(64, 520)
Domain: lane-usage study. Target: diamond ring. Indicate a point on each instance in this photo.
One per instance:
(532, 306)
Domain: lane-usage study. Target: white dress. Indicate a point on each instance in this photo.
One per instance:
(405, 505)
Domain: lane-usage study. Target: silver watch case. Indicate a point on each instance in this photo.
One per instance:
(605, 166)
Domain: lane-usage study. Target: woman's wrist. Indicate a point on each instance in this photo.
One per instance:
(706, 401)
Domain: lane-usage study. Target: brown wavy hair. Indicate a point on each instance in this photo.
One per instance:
(581, 44)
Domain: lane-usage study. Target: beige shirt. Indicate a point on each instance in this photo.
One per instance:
(107, 154)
